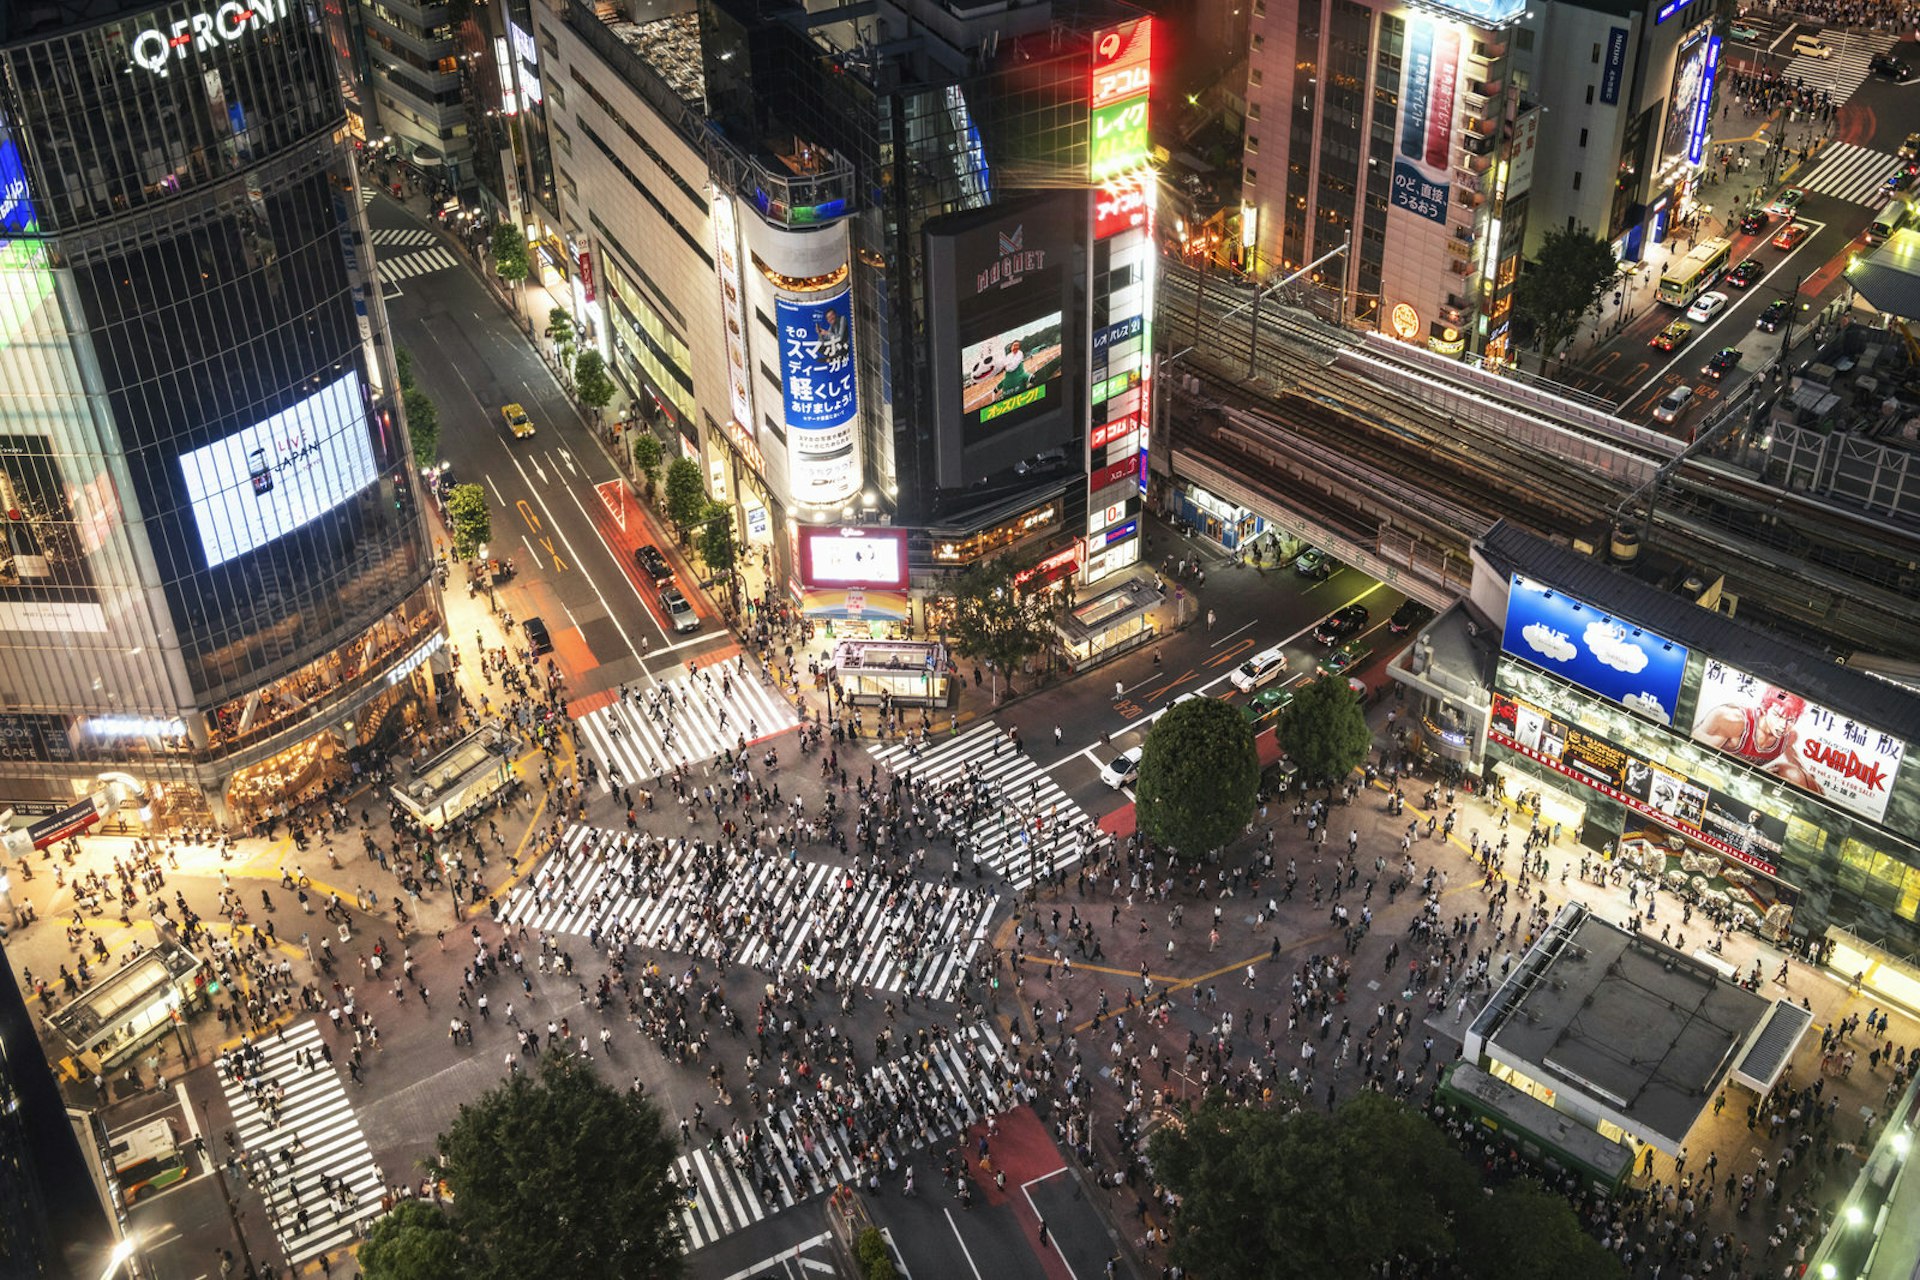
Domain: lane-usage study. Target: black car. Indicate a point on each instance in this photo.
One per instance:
(650, 562)
(1774, 316)
(1746, 273)
(1754, 221)
(1891, 67)
(538, 638)
(1409, 615)
(1340, 624)
(1723, 361)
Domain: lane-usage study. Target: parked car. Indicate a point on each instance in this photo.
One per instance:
(1885, 64)
(1267, 706)
(1741, 31)
(1314, 563)
(538, 638)
(1673, 404)
(678, 611)
(1745, 274)
(517, 421)
(1123, 770)
(1262, 668)
(1787, 201)
(1673, 337)
(1774, 316)
(1724, 361)
(649, 561)
(1409, 615)
(1707, 306)
(1348, 657)
(1340, 624)
(1754, 221)
(1791, 234)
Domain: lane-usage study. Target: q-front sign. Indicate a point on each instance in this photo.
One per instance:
(156, 49)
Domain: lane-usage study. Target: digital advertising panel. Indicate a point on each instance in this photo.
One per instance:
(1422, 162)
(726, 268)
(1849, 764)
(872, 559)
(1122, 83)
(1702, 121)
(816, 360)
(1683, 99)
(271, 478)
(1617, 660)
(1011, 370)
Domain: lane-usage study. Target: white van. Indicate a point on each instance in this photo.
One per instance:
(1897, 214)
(1261, 668)
(1811, 46)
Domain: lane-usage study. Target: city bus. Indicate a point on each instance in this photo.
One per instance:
(1690, 277)
(147, 1159)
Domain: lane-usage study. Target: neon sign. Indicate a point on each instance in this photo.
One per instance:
(1121, 81)
(203, 32)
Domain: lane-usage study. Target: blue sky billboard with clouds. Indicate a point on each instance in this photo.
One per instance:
(1614, 658)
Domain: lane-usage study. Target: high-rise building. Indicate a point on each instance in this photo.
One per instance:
(1437, 142)
(415, 83)
(889, 264)
(215, 577)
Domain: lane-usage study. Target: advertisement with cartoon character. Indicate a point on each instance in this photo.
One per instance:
(1615, 659)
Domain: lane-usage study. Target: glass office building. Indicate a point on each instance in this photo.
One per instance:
(215, 576)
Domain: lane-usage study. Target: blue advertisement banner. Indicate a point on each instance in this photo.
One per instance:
(1416, 84)
(16, 210)
(1428, 73)
(816, 361)
(1703, 105)
(1417, 193)
(1615, 66)
(1617, 660)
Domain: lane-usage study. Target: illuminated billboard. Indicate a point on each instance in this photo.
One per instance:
(1690, 82)
(1121, 84)
(1422, 162)
(873, 559)
(1850, 764)
(280, 473)
(816, 360)
(726, 269)
(1702, 121)
(1011, 370)
(1617, 660)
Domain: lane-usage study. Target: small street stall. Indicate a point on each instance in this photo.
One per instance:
(109, 1022)
(465, 780)
(1111, 623)
(909, 673)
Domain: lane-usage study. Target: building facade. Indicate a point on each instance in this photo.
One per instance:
(216, 579)
(891, 269)
(414, 81)
(1439, 142)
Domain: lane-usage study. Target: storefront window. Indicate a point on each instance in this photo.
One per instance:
(1879, 878)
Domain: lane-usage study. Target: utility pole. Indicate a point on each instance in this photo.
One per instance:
(1786, 330)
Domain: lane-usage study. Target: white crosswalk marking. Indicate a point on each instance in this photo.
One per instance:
(1856, 174)
(1024, 820)
(367, 194)
(314, 1112)
(412, 236)
(419, 263)
(689, 719)
(1841, 74)
(805, 1149)
(765, 910)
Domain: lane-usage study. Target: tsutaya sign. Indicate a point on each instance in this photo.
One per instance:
(155, 48)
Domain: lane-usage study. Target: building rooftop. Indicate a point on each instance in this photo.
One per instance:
(669, 42)
(1641, 1029)
(1888, 275)
(1769, 655)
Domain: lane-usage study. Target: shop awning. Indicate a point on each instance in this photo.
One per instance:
(854, 605)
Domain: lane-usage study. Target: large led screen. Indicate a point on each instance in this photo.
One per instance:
(277, 475)
(1851, 764)
(875, 559)
(1630, 665)
(1011, 370)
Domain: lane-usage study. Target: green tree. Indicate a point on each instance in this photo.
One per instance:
(1324, 729)
(423, 426)
(469, 520)
(557, 1173)
(647, 457)
(417, 1241)
(686, 493)
(997, 620)
(403, 367)
(718, 546)
(510, 260)
(1534, 1235)
(875, 1259)
(1199, 776)
(591, 382)
(561, 333)
(1561, 287)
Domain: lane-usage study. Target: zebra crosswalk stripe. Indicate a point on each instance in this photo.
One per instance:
(1852, 173)
(769, 912)
(1842, 73)
(702, 722)
(1004, 837)
(419, 263)
(414, 236)
(317, 1112)
(806, 1159)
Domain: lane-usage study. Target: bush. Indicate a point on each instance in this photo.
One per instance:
(875, 1259)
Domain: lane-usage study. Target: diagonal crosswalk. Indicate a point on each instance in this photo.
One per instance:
(1852, 173)
(1842, 73)
(763, 910)
(420, 263)
(1022, 821)
(314, 1113)
(688, 719)
(812, 1146)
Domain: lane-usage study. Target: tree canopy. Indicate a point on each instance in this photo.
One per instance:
(1199, 775)
(510, 260)
(1347, 1193)
(647, 455)
(591, 382)
(1561, 286)
(423, 426)
(417, 1241)
(718, 546)
(998, 620)
(468, 519)
(557, 1173)
(1324, 729)
(686, 492)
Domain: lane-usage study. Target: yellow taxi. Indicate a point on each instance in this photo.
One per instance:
(517, 421)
